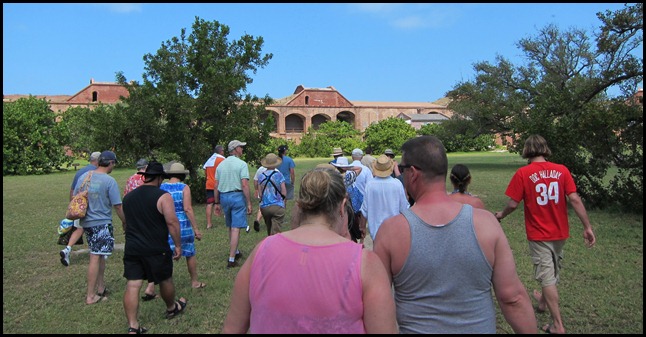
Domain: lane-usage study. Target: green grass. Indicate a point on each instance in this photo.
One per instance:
(601, 289)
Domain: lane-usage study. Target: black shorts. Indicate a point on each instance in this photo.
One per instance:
(210, 197)
(156, 268)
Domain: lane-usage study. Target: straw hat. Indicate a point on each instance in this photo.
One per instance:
(383, 166)
(271, 161)
(337, 152)
(177, 168)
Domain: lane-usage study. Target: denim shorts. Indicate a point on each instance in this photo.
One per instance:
(234, 208)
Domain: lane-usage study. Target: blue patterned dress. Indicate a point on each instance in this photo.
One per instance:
(186, 230)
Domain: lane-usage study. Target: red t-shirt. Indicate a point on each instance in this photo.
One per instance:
(543, 186)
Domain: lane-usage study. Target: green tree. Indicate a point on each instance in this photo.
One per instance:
(32, 141)
(389, 133)
(320, 142)
(459, 135)
(561, 94)
(193, 96)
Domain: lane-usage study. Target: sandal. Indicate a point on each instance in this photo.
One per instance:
(149, 297)
(179, 308)
(105, 292)
(138, 330)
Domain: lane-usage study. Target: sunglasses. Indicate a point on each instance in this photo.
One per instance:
(402, 167)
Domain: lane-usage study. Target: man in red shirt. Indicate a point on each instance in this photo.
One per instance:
(545, 188)
(209, 167)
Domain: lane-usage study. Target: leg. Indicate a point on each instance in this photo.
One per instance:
(167, 291)
(75, 236)
(131, 302)
(209, 216)
(149, 292)
(551, 298)
(91, 296)
(191, 263)
(234, 236)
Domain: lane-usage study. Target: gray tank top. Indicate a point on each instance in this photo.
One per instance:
(445, 283)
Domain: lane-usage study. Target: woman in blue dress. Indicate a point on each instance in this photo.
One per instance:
(181, 194)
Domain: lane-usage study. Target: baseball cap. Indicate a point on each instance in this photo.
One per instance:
(235, 143)
(357, 152)
(108, 155)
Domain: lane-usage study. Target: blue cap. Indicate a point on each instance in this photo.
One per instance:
(108, 155)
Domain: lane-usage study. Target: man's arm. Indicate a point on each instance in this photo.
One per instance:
(292, 175)
(579, 209)
(511, 206)
(510, 292)
(121, 215)
(247, 194)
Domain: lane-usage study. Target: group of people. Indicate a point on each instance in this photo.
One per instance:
(443, 255)
(432, 268)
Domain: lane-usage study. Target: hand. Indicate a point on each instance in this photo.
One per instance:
(249, 209)
(178, 253)
(218, 210)
(198, 234)
(498, 216)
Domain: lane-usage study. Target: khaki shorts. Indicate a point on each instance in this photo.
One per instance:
(546, 258)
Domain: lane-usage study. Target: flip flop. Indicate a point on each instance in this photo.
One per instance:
(179, 308)
(201, 285)
(100, 299)
(149, 297)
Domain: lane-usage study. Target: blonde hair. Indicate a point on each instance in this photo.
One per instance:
(321, 192)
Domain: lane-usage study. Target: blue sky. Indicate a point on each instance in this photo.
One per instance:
(368, 52)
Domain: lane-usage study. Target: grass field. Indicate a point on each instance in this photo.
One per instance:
(601, 289)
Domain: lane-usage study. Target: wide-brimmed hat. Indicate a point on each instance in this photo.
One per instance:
(154, 168)
(342, 162)
(177, 168)
(383, 166)
(337, 152)
(271, 161)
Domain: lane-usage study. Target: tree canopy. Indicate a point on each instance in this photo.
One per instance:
(561, 94)
(193, 96)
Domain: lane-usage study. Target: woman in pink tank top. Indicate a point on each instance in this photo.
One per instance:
(313, 279)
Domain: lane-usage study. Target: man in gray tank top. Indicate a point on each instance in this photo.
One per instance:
(444, 258)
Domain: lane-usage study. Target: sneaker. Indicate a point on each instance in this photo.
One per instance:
(232, 264)
(247, 230)
(65, 257)
(256, 225)
(238, 255)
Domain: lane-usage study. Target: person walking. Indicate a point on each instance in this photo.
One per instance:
(209, 172)
(272, 193)
(232, 189)
(286, 167)
(364, 177)
(384, 196)
(103, 195)
(151, 218)
(368, 159)
(445, 257)
(136, 180)
(461, 178)
(189, 231)
(336, 153)
(78, 232)
(313, 279)
(256, 189)
(545, 188)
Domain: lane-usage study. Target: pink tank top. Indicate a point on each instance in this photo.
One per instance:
(296, 288)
